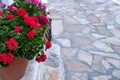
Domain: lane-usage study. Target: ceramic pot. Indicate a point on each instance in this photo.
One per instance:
(14, 71)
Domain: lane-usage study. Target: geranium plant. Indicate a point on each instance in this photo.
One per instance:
(23, 26)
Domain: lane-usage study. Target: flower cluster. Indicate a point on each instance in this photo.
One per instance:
(6, 58)
(23, 26)
(36, 2)
(10, 17)
(12, 8)
(12, 44)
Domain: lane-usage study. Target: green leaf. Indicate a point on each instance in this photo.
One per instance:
(2, 32)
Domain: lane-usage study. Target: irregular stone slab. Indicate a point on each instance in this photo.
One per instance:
(57, 27)
(106, 64)
(81, 4)
(87, 47)
(117, 49)
(69, 52)
(53, 74)
(55, 49)
(116, 33)
(77, 76)
(66, 35)
(110, 21)
(86, 30)
(114, 62)
(118, 21)
(98, 24)
(64, 42)
(99, 1)
(85, 57)
(53, 60)
(99, 36)
(110, 27)
(55, 16)
(77, 41)
(103, 30)
(78, 34)
(98, 57)
(91, 7)
(102, 46)
(93, 18)
(111, 55)
(80, 76)
(100, 8)
(112, 40)
(73, 28)
(116, 73)
(83, 21)
(98, 67)
(70, 20)
(117, 16)
(102, 77)
(76, 66)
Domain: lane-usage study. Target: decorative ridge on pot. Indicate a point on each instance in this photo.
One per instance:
(22, 29)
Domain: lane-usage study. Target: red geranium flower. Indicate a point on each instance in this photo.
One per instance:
(12, 44)
(32, 34)
(41, 58)
(32, 24)
(44, 20)
(7, 58)
(10, 17)
(35, 18)
(18, 29)
(32, 21)
(10, 58)
(21, 12)
(1, 14)
(4, 57)
(48, 44)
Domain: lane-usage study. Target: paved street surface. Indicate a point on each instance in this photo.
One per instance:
(86, 40)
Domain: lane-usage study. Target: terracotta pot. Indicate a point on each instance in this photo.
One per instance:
(15, 71)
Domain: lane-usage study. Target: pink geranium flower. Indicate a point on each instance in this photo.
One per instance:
(12, 8)
(3, 5)
(44, 6)
(36, 2)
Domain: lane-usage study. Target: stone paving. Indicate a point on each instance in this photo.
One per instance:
(86, 34)
(86, 42)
